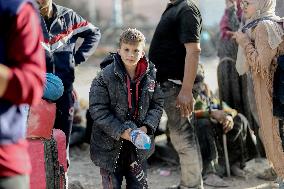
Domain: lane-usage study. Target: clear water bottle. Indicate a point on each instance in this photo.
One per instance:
(140, 139)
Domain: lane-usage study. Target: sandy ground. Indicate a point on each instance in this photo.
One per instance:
(83, 172)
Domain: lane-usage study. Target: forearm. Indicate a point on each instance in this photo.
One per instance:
(91, 40)
(26, 60)
(5, 74)
(201, 114)
(155, 111)
(190, 68)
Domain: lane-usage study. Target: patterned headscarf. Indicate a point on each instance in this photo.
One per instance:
(265, 8)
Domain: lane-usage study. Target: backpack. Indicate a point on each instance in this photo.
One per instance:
(278, 80)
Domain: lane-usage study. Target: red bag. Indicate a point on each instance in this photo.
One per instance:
(41, 120)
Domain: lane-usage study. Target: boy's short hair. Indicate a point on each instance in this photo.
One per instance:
(131, 36)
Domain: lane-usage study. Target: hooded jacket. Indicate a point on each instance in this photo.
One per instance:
(110, 110)
(59, 43)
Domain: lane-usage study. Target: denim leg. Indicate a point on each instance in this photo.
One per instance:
(184, 140)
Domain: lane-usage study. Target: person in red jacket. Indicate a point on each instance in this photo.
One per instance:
(22, 69)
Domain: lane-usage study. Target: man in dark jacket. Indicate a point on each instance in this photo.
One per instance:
(175, 50)
(22, 68)
(61, 28)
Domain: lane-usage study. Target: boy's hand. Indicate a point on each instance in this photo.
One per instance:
(126, 134)
(144, 129)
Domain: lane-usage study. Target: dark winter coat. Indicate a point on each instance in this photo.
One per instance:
(110, 112)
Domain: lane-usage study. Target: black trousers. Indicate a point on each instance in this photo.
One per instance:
(239, 144)
(65, 114)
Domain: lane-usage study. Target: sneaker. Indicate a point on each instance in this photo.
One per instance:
(215, 181)
(268, 175)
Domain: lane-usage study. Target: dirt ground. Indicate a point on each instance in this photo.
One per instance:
(83, 174)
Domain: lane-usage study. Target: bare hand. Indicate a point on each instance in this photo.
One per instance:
(240, 37)
(144, 129)
(185, 103)
(224, 119)
(219, 115)
(126, 134)
(228, 124)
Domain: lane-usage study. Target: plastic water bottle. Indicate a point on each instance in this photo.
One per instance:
(140, 139)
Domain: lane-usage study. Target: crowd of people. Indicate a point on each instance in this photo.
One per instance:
(214, 135)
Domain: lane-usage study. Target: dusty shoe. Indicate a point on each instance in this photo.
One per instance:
(215, 181)
(268, 175)
(237, 171)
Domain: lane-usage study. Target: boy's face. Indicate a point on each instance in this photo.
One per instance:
(131, 53)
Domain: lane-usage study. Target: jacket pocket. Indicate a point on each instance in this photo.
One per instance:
(102, 141)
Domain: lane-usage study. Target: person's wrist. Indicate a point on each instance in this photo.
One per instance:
(126, 134)
(212, 113)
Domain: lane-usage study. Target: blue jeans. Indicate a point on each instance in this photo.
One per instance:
(183, 138)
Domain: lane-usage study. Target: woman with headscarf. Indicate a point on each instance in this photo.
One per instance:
(232, 87)
(258, 48)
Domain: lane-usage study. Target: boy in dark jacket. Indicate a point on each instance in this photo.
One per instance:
(124, 97)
